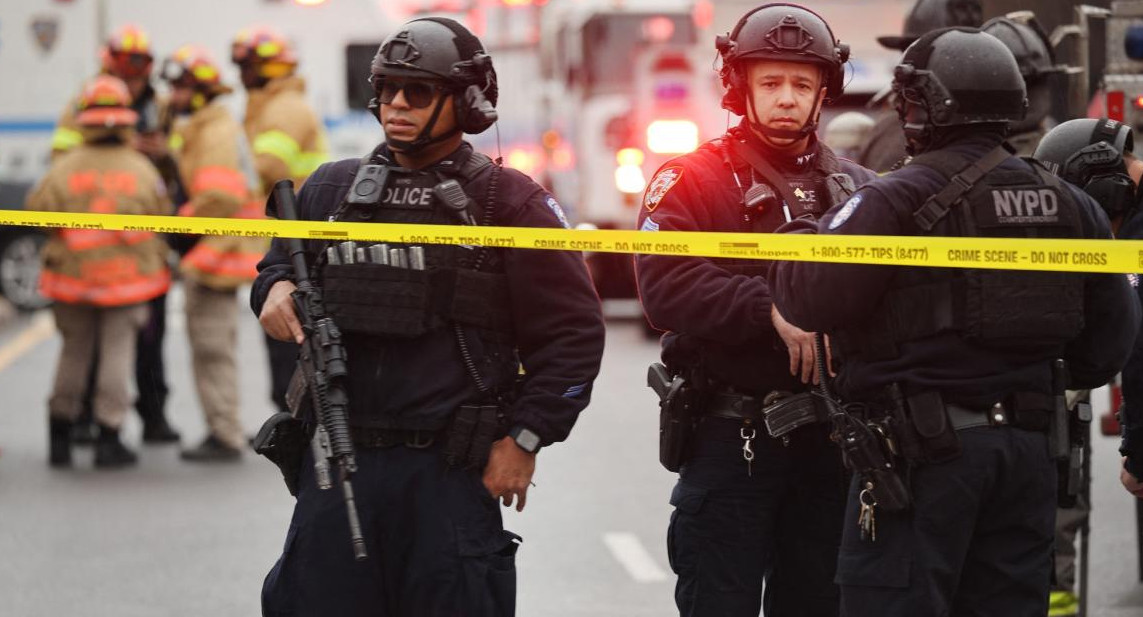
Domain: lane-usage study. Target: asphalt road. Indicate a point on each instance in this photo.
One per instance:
(171, 539)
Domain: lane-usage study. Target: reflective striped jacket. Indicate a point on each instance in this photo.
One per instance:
(96, 266)
(218, 173)
(285, 134)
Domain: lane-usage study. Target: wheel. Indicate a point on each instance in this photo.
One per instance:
(20, 270)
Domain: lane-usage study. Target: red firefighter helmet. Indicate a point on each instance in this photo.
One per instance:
(127, 53)
(266, 48)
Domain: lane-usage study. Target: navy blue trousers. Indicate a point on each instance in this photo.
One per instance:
(436, 543)
(977, 541)
(733, 533)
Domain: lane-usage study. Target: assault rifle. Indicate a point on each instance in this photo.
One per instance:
(322, 363)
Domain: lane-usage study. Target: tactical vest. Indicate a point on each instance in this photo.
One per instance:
(1006, 310)
(808, 194)
(454, 284)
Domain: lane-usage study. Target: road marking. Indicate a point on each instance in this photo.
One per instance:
(41, 329)
(630, 553)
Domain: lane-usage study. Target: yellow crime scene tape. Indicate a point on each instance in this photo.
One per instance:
(1109, 256)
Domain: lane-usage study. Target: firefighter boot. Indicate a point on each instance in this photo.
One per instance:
(59, 442)
(110, 453)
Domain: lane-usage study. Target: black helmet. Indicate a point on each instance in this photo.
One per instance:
(957, 77)
(440, 49)
(1089, 152)
(929, 15)
(1028, 43)
(786, 32)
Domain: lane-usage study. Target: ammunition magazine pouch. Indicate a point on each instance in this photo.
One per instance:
(382, 300)
(284, 440)
(789, 413)
(469, 438)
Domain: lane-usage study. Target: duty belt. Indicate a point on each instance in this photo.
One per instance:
(734, 406)
(389, 437)
(998, 415)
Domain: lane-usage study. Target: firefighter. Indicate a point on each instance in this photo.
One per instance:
(217, 169)
(127, 55)
(287, 139)
(101, 281)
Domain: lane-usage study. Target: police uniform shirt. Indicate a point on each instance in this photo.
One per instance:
(419, 383)
(720, 308)
(830, 297)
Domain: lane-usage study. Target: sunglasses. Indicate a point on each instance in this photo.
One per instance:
(418, 94)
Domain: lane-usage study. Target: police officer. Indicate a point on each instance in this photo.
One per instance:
(750, 509)
(1089, 153)
(886, 144)
(964, 357)
(1033, 52)
(524, 337)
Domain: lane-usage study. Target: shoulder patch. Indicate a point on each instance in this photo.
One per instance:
(1133, 279)
(649, 224)
(557, 210)
(845, 212)
(660, 184)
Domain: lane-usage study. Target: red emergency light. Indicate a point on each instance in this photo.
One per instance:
(1138, 102)
(1115, 105)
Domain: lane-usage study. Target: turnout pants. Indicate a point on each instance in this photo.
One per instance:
(436, 544)
(775, 525)
(212, 327)
(976, 542)
(89, 332)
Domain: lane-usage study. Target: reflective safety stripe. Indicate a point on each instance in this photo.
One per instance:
(218, 178)
(176, 142)
(88, 239)
(118, 286)
(65, 139)
(209, 260)
(280, 145)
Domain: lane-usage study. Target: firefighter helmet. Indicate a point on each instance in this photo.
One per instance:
(127, 53)
(267, 50)
(105, 102)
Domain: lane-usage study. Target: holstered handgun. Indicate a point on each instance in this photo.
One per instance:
(865, 450)
(676, 415)
(1073, 469)
(788, 413)
(283, 440)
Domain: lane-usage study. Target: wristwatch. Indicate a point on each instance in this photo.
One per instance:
(525, 438)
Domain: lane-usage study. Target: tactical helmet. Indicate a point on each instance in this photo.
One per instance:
(105, 102)
(1028, 44)
(956, 77)
(1088, 152)
(441, 50)
(266, 49)
(929, 15)
(127, 53)
(783, 32)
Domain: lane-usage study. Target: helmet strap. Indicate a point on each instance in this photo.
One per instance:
(424, 138)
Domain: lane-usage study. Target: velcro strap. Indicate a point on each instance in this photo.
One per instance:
(936, 207)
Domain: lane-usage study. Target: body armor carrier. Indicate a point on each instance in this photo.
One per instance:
(402, 291)
(1008, 310)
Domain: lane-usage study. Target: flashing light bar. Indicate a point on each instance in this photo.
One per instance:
(672, 136)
